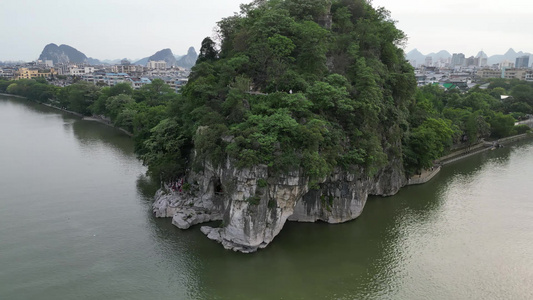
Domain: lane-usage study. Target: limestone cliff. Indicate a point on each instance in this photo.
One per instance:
(62, 54)
(254, 204)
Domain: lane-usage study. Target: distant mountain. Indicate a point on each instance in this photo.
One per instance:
(63, 54)
(443, 54)
(510, 55)
(184, 61)
(142, 62)
(94, 61)
(189, 60)
(165, 54)
(415, 56)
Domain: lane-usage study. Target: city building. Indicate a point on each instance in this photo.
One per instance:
(511, 73)
(522, 62)
(481, 59)
(137, 83)
(471, 61)
(507, 64)
(156, 65)
(31, 73)
(75, 71)
(7, 73)
(458, 60)
(127, 68)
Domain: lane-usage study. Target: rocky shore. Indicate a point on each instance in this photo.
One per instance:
(254, 204)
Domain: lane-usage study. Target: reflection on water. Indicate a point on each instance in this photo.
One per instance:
(147, 187)
(76, 222)
(94, 134)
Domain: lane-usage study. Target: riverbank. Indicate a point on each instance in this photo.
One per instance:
(427, 175)
(86, 118)
(16, 96)
(106, 122)
(424, 176)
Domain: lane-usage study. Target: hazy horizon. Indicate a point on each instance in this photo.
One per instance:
(134, 29)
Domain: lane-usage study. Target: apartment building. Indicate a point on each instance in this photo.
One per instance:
(31, 73)
(156, 65)
(511, 73)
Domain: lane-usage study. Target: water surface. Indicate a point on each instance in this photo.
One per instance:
(75, 223)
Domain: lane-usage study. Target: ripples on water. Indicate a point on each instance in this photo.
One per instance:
(75, 222)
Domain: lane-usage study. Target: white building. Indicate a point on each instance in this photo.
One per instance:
(158, 65)
(75, 71)
(507, 64)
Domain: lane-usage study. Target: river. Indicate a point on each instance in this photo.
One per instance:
(76, 223)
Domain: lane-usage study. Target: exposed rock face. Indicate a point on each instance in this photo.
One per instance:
(343, 195)
(189, 60)
(254, 204)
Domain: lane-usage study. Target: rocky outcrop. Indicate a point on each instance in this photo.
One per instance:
(254, 204)
(343, 195)
(63, 54)
(189, 60)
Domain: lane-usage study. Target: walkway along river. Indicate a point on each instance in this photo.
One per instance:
(75, 222)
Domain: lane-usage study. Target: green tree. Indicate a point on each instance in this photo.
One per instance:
(164, 150)
(428, 142)
(115, 105)
(523, 93)
(79, 97)
(501, 125)
(207, 51)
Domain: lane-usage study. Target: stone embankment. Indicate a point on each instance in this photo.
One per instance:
(424, 176)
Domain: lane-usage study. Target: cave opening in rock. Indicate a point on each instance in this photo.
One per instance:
(218, 186)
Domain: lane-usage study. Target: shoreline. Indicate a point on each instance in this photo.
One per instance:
(86, 118)
(478, 148)
(16, 96)
(106, 122)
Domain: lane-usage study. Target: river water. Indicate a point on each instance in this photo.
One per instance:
(76, 223)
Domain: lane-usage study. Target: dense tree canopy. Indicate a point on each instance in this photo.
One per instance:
(307, 85)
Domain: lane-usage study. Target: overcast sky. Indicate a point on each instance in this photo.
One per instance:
(111, 29)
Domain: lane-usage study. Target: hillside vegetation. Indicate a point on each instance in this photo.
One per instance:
(297, 84)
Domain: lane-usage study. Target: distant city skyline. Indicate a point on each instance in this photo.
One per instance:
(133, 29)
(463, 26)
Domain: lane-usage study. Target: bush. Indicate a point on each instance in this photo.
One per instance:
(272, 203)
(522, 129)
(254, 200)
(262, 183)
